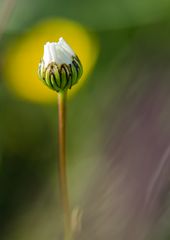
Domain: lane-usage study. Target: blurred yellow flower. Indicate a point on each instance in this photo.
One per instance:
(23, 56)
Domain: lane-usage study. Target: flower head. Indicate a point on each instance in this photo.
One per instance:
(59, 68)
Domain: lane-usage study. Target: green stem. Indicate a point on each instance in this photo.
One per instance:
(62, 164)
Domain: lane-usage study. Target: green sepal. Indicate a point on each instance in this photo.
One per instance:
(55, 87)
(74, 74)
(48, 78)
(41, 70)
(63, 78)
(57, 77)
(79, 67)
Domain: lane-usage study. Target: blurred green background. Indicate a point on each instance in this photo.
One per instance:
(118, 132)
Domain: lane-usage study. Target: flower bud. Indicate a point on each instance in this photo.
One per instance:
(59, 68)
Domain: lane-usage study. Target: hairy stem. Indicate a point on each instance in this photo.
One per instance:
(62, 164)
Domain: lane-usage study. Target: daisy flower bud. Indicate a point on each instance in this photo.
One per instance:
(59, 68)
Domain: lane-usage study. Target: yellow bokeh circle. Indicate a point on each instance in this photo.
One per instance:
(23, 56)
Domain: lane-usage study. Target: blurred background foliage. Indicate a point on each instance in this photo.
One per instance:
(118, 143)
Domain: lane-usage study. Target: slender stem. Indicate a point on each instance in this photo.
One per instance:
(62, 164)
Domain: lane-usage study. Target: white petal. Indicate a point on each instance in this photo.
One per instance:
(59, 53)
(47, 56)
(67, 58)
(53, 52)
(65, 46)
(59, 58)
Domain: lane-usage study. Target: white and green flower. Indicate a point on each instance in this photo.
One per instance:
(60, 68)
